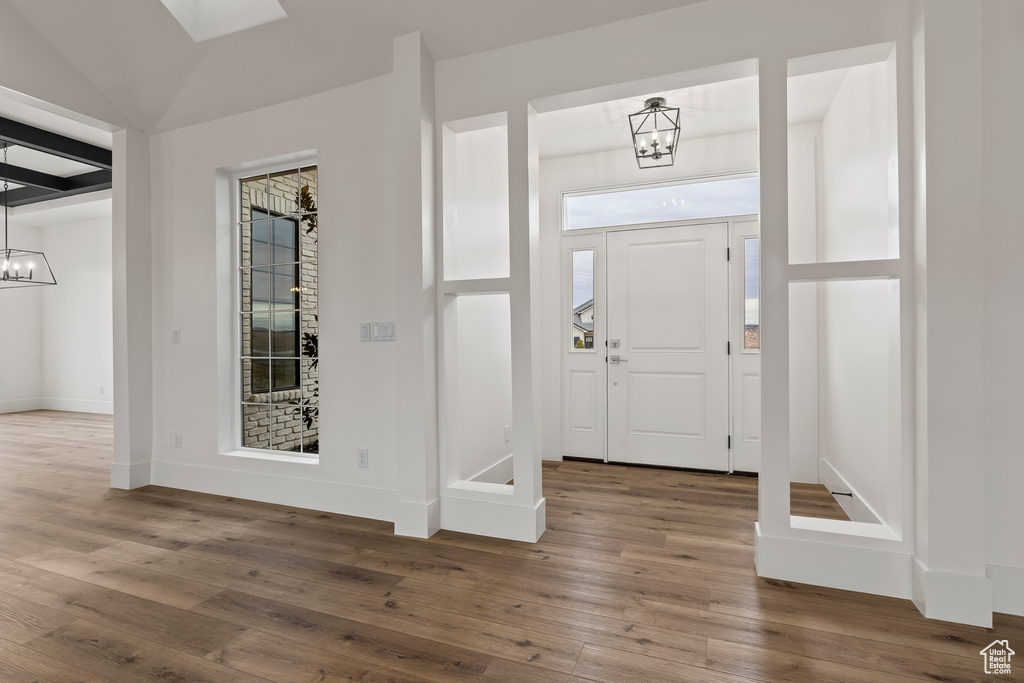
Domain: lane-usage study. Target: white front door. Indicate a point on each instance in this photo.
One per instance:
(667, 327)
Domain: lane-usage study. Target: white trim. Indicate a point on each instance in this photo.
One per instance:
(21, 405)
(131, 476)
(417, 520)
(267, 487)
(279, 456)
(960, 598)
(1007, 588)
(856, 508)
(77, 405)
(499, 473)
(835, 566)
(229, 304)
(484, 518)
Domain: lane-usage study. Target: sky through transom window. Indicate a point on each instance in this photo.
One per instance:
(685, 201)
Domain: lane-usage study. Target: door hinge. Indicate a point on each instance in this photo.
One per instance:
(728, 348)
(730, 441)
(728, 253)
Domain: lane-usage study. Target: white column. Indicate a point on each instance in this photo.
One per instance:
(773, 482)
(133, 312)
(524, 262)
(949, 580)
(418, 509)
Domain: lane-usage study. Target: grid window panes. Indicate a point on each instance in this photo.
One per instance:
(751, 295)
(280, 335)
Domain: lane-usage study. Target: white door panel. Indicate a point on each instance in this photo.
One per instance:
(583, 400)
(583, 369)
(667, 307)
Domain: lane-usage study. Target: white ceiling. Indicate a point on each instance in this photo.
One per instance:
(141, 60)
(706, 110)
(65, 211)
(138, 57)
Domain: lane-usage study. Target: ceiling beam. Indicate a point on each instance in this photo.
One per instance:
(17, 133)
(82, 183)
(26, 176)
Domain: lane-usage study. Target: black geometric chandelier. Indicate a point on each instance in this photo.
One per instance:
(655, 131)
(20, 267)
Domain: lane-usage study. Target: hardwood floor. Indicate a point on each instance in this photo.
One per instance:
(643, 575)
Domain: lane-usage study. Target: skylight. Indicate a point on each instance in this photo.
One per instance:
(206, 19)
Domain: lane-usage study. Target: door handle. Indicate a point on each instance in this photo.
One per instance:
(616, 360)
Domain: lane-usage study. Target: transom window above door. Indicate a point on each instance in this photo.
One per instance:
(675, 201)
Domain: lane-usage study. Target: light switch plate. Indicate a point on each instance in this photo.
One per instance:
(364, 332)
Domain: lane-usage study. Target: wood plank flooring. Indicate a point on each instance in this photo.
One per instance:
(643, 575)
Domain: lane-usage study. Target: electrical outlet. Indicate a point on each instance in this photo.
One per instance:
(363, 457)
(176, 335)
(508, 433)
(101, 390)
(176, 439)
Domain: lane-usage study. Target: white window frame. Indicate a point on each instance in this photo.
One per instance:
(229, 305)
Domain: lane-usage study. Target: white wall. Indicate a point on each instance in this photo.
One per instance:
(855, 147)
(357, 254)
(1004, 315)
(854, 317)
(476, 241)
(21, 343)
(804, 211)
(78, 318)
(484, 383)
(856, 348)
(57, 350)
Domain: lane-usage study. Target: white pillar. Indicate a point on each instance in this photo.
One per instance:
(773, 482)
(418, 509)
(524, 263)
(949, 579)
(133, 312)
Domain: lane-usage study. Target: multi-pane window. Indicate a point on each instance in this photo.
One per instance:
(280, 335)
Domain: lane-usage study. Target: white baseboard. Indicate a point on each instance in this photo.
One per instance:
(311, 494)
(958, 598)
(418, 520)
(498, 520)
(855, 507)
(1007, 588)
(500, 472)
(125, 476)
(21, 405)
(78, 405)
(835, 566)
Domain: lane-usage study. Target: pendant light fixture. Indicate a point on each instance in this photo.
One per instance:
(20, 267)
(655, 131)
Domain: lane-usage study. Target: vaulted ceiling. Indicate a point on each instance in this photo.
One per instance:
(142, 65)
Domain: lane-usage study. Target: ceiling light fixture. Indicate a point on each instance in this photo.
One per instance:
(20, 267)
(655, 131)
